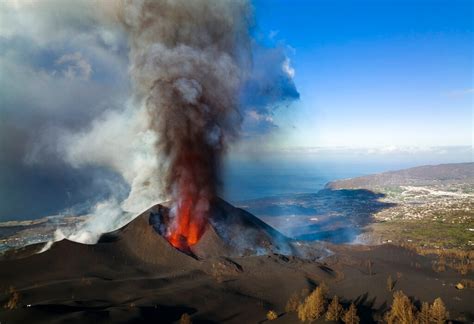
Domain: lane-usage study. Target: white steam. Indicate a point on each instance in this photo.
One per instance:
(190, 63)
(121, 141)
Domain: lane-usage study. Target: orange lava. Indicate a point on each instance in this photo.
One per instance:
(188, 225)
(193, 189)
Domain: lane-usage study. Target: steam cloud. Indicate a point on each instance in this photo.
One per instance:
(196, 75)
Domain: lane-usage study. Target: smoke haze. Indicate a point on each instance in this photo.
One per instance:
(194, 79)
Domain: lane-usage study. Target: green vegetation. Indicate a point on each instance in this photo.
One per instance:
(439, 214)
(427, 233)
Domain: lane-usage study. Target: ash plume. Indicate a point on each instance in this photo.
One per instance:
(188, 62)
(108, 148)
(196, 75)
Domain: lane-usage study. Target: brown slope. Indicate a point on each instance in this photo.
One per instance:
(237, 232)
(421, 175)
(116, 280)
(135, 265)
(231, 232)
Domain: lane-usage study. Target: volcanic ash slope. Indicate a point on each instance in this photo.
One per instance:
(240, 266)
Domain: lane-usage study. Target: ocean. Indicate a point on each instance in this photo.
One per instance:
(246, 180)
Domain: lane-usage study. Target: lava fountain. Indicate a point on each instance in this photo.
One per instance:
(192, 197)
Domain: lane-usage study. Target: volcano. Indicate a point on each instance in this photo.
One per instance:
(230, 232)
(136, 274)
(239, 270)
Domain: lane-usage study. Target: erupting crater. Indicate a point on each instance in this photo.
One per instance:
(223, 230)
(188, 226)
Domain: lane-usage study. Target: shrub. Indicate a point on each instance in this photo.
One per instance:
(313, 306)
(402, 310)
(272, 315)
(438, 312)
(14, 299)
(350, 317)
(335, 310)
(185, 319)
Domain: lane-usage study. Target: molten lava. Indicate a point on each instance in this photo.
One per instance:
(189, 213)
(188, 225)
(193, 178)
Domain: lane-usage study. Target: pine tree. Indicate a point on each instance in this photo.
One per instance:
(402, 311)
(438, 312)
(424, 314)
(350, 317)
(313, 306)
(335, 310)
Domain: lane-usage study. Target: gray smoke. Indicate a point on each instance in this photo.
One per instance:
(189, 60)
(196, 75)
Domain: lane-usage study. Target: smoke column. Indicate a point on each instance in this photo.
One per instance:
(106, 153)
(188, 62)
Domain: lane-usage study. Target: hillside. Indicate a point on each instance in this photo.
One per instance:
(432, 206)
(133, 275)
(442, 174)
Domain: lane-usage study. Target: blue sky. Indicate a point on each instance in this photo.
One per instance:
(383, 83)
(374, 73)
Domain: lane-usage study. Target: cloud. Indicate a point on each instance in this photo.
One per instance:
(50, 52)
(75, 66)
(290, 71)
(256, 123)
(70, 136)
(121, 141)
(272, 34)
(270, 86)
(458, 153)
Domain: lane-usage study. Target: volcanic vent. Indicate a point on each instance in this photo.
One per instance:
(230, 231)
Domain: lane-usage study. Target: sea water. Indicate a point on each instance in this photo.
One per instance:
(245, 180)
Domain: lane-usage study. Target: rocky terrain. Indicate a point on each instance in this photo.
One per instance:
(133, 275)
(418, 226)
(17, 234)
